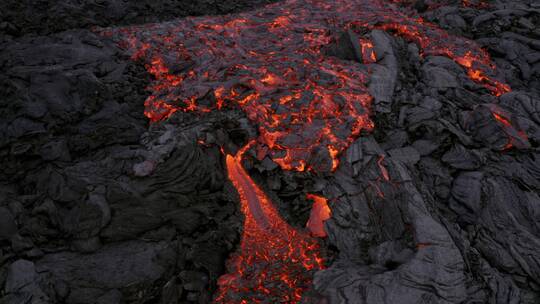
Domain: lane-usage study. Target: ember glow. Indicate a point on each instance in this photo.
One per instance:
(275, 262)
(513, 132)
(368, 53)
(308, 107)
(475, 3)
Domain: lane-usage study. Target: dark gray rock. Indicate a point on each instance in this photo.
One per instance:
(396, 139)
(20, 244)
(425, 146)
(384, 75)
(466, 195)
(461, 158)
(112, 297)
(111, 210)
(437, 77)
(114, 267)
(56, 16)
(87, 219)
(494, 128)
(171, 292)
(23, 284)
(420, 265)
(407, 155)
(186, 221)
(8, 227)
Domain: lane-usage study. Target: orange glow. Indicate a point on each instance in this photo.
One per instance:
(270, 64)
(281, 21)
(434, 41)
(320, 212)
(368, 53)
(271, 80)
(275, 262)
(383, 169)
(505, 121)
(422, 245)
(508, 128)
(476, 4)
(334, 154)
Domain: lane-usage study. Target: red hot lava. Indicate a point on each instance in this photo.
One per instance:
(320, 212)
(275, 262)
(269, 63)
(511, 131)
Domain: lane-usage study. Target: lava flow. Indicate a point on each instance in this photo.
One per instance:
(308, 107)
(275, 262)
(270, 63)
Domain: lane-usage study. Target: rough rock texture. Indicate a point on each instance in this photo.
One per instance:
(72, 152)
(457, 219)
(45, 16)
(440, 204)
(95, 207)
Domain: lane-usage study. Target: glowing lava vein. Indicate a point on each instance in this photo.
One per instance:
(275, 261)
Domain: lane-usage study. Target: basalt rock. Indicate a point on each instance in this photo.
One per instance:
(438, 202)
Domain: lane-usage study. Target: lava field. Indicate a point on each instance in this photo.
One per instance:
(270, 151)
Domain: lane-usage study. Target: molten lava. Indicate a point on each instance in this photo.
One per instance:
(368, 53)
(275, 262)
(307, 106)
(320, 212)
(511, 131)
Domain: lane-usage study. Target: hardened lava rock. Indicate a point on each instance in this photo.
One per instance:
(437, 203)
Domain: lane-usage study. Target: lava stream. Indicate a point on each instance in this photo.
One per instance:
(257, 204)
(308, 107)
(275, 262)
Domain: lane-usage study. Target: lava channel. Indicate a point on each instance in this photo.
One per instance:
(275, 262)
(270, 63)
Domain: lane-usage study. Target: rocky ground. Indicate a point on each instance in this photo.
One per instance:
(43, 17)
(439, 204)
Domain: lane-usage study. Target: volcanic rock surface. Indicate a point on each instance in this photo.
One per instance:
(436, 200)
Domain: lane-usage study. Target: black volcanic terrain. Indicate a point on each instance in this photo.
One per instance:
(296, 151)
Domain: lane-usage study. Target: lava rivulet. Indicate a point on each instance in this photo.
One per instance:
(275, 261)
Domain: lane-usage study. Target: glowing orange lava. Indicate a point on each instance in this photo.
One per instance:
(308, 108)
(434, 41)
(275, 262)
(512, 132)
(368, 53)
(320, 212)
